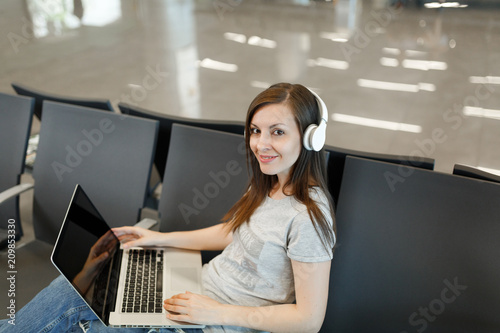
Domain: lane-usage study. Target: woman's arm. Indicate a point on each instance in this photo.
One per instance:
(213, 238)
(307, 315)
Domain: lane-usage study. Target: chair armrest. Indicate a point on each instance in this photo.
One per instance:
(146, 223)
(14, 191)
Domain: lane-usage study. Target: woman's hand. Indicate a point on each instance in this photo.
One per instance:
(194, 308)
(139, 237)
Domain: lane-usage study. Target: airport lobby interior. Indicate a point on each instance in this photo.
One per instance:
(405, 78)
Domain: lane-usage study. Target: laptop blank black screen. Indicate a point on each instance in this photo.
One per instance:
(86, 253)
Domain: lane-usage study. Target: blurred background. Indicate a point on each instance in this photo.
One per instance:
(418, 78)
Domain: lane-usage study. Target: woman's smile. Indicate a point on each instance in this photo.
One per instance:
(267, 158)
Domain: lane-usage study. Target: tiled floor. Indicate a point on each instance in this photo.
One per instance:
(402, 80)
(433, 69)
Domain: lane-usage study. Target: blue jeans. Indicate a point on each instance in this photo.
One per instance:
(58, 308)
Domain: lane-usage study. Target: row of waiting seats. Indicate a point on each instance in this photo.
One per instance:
(202, 165)
(336, 154)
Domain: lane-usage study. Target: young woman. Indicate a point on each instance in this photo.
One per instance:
(277, 239)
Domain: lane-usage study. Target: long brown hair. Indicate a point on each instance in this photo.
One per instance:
(309, 169)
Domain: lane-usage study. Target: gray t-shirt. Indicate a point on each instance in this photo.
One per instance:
(255, 269)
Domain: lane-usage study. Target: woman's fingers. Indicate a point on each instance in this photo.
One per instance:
(177, 304)
(139, 237)
(130, 236)
(126, 231)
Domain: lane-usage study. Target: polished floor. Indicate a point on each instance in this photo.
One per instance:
(415, 78)
(402, 79)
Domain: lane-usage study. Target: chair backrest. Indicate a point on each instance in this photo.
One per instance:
(420, 256)
(205, 175)
(109, 154)
(16, 114)
(469, 171)
(39, 96)
(166, 122)
(336, 160)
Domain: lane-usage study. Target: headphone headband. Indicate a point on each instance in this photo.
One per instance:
(323, 110)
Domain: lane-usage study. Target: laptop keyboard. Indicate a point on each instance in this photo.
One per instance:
(143, 284)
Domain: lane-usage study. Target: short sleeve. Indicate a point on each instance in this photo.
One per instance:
(304, 242)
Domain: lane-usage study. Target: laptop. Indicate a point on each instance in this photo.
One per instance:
(124, 287)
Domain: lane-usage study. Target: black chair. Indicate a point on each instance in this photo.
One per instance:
(108, 154)
(166, 122)
(421, 258)
(16, 115)
(469, 171)
(336, 160)
(39, 96)
(205, 175)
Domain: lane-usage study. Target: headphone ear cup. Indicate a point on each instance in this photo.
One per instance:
(318, 137)
(315, 134)
(308, 136)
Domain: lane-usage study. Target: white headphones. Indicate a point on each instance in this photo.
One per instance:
(315, 135)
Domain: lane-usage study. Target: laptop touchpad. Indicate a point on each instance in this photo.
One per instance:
(185, 279)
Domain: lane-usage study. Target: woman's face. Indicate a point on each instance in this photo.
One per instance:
(275, 140)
